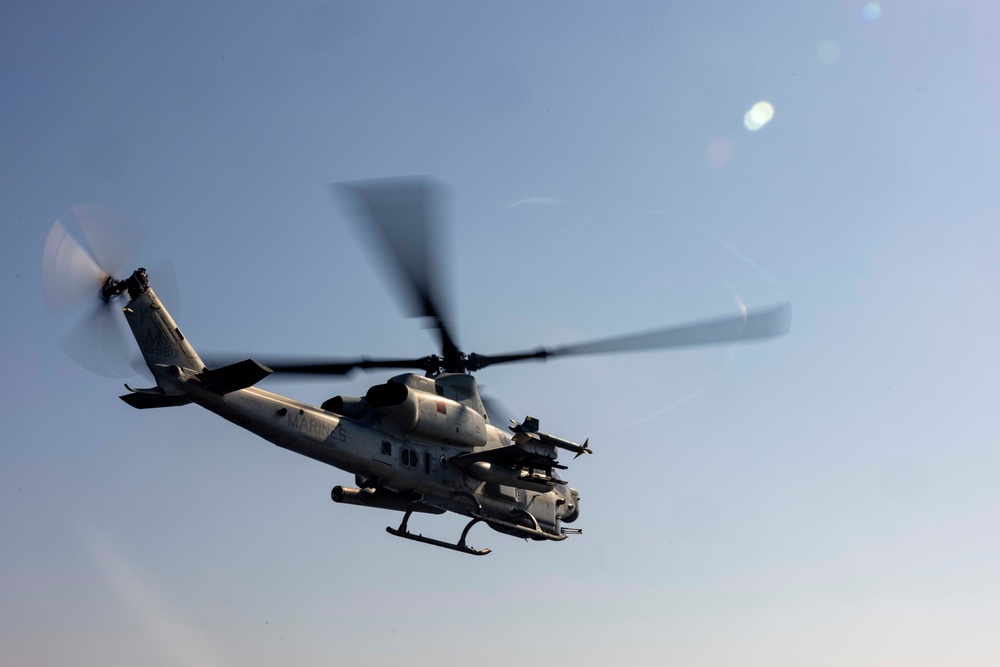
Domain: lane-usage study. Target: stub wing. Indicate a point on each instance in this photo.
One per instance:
(512, 456)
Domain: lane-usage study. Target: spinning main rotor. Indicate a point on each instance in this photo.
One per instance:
(401, 216)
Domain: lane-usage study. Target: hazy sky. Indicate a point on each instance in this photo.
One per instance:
(826, 499)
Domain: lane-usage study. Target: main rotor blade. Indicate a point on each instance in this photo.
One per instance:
(750, 325)
(313, 366)
(402, 215)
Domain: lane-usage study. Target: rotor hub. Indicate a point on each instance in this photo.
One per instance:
(135, 285)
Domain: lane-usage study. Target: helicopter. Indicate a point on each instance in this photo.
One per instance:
(421, 442)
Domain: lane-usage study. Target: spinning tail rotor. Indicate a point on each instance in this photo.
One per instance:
(86, 252)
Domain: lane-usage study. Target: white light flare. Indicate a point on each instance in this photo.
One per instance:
(828, 52)
(720, 151)
(173, 638)
(871, 12)
(759, 115)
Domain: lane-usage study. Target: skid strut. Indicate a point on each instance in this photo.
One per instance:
(461, 546)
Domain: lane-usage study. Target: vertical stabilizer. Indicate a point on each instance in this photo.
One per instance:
(160, 340)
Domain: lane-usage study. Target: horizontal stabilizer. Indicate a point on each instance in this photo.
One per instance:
(143, 400)
(234, 377)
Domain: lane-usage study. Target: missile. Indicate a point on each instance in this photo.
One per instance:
(528, 430)
(522, 479)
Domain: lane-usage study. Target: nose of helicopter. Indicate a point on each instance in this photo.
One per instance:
(571, 508)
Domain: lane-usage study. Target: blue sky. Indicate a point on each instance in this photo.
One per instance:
(827, 499)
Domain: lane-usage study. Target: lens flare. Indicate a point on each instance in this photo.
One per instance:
(871, 12)
(720, 151)
(828, 52)
(759, 115)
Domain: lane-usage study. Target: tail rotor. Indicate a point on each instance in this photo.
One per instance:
(86, 248)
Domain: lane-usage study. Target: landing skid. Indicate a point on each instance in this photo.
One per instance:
(461, 546)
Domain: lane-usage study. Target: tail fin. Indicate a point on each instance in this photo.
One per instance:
(170, 356)
(160, 340)
(144, 399)
(234, 376)
(221, 380)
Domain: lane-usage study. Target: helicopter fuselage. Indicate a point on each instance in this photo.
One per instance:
(414, 444)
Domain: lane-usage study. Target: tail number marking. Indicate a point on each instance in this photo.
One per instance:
(156, 344)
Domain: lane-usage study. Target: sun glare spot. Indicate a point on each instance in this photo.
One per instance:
(759, 115)
(871, 12)
(828, 52)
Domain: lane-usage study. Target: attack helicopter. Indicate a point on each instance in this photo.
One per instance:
(421, 442)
